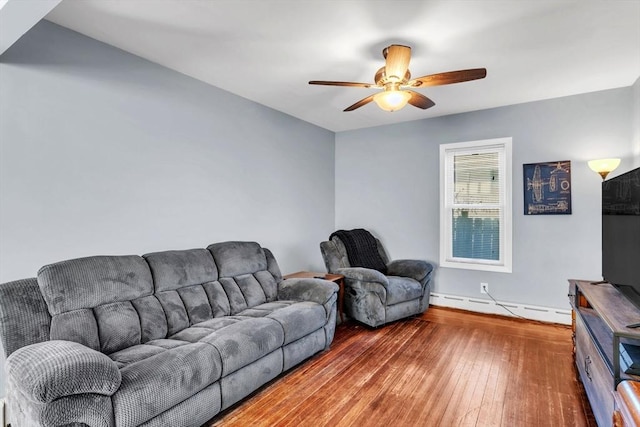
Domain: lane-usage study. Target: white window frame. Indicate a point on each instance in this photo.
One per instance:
(503, 147)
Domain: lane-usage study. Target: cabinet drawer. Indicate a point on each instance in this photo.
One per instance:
(597, 380)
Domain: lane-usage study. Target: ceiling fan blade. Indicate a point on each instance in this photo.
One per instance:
(397, 61)
(449, 77)
(419, 100)
(352, 84)
(360, 103)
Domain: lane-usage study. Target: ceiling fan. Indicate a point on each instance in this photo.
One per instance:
(394, 79)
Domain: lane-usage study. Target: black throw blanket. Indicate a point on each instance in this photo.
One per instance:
(362, 249)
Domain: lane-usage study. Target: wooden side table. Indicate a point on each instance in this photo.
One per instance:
(338, 279)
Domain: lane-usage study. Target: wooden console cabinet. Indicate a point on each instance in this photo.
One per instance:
(600, 318)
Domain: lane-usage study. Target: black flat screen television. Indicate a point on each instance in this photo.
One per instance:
(621, 234)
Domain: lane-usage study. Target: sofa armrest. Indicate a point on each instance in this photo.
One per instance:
(52, 369)
(317, 290)
(364, 275)
(412, 268)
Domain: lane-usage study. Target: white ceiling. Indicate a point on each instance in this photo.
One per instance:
(268, 50)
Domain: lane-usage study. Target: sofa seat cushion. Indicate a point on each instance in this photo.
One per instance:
(299, 319)
(245, 341)
(161, 378)
(134, 354)
(402, 289)
(200, 330)
(263, 310)
(241, 340)
(140, 352)
(296, 318)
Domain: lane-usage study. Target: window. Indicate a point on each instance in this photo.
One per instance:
(475, 205)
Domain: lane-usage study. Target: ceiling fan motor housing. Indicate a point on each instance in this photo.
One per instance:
(381, 77)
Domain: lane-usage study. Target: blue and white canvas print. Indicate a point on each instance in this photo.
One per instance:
(547, 188)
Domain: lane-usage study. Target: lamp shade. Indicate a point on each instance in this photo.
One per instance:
(392, 100)
(604, 166)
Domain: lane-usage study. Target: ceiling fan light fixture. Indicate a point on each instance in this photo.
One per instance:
(392, 100)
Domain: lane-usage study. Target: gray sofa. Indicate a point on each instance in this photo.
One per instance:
(167, 339)
(374, 298)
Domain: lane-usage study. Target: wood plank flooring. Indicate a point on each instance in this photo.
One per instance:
(444, 368)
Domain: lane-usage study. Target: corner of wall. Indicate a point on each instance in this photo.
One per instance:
(635, 143)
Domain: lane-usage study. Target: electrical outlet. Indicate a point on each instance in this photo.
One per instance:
(484, 288)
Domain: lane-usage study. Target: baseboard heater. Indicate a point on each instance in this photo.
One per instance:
(479, 305)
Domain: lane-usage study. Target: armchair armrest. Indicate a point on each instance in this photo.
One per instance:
(360, 279)
(317, 290)
(414, 269)
(52, 369)
(364, 275)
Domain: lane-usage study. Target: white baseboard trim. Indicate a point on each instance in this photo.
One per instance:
(532, 312)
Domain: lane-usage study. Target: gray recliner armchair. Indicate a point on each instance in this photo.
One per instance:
(398, 289)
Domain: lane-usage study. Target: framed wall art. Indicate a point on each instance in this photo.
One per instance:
(547, 188)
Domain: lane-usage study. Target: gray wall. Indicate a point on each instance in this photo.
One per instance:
(102, 152)
(106, 153)
(387, 180)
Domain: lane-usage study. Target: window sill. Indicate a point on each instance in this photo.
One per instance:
(476, 266)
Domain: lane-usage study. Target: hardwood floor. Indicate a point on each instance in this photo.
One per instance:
(445, 368)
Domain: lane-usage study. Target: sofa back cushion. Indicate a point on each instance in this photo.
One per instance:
(109, 303)
(245, 274)
(186, 286)
(172, 270)
(93, 300)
